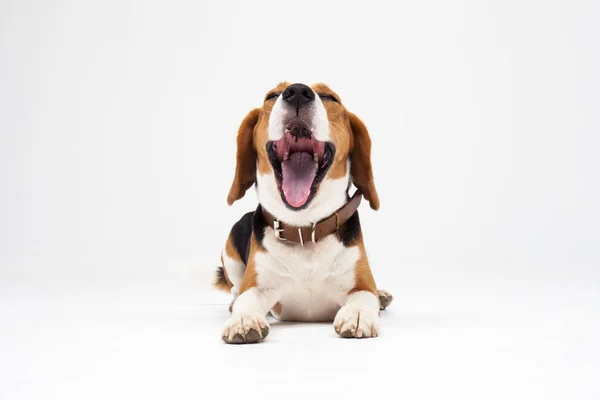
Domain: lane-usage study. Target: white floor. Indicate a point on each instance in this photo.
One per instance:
(486, 338)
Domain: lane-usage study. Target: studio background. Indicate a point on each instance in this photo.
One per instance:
(117, 148)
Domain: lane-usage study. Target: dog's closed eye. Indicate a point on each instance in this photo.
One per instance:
(325, 96)
(272, 95)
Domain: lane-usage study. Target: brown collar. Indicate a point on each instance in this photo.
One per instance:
(319, 229)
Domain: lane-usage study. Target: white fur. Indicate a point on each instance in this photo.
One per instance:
(320, 126)
(242, 324)
(314, 114)
(276, 120)
(235, 271)
(359, 317)
(311, 281)
(248, 313)
(254, 300)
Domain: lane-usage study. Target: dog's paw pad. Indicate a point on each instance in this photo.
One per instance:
(242, 329)
(264, 331)
(238, 339)
(252, 336)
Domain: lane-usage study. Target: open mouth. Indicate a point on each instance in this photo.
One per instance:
(300, 163)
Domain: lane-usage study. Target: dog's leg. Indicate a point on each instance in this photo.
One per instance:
(248, 323)
(359, 317)
(234, 269)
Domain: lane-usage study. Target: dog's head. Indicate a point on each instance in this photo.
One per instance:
(303, 148)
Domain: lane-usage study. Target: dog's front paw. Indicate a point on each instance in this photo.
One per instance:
(245, 328)
(351, 322)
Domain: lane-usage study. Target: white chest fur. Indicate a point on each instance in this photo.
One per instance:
(312, 281)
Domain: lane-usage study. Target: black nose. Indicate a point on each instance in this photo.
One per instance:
(298, 95)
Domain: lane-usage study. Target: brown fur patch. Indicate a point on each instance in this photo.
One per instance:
(261, 137)
(342, 140)
(362, 172)
(231, 251)
(245, 158)
(250, 278)
(362, 272)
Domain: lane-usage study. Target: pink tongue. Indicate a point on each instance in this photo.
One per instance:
(298, 175)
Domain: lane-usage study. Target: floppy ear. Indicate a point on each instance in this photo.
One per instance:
(245, 168)
(360, 161)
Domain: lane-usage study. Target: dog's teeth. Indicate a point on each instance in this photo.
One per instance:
(316, 157)
(286, 156)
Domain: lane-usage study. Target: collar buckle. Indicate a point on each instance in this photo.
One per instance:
(277, 231)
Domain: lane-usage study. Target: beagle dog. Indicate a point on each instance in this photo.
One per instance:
(300, 255)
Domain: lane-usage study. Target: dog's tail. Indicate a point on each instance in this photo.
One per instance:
(221, 281)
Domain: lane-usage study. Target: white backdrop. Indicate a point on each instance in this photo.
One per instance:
(118, 124)
(117, 134)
